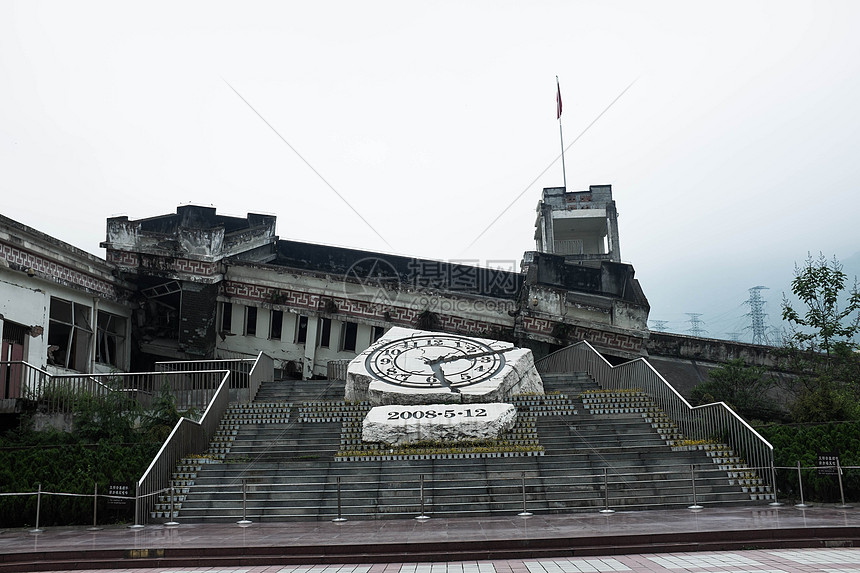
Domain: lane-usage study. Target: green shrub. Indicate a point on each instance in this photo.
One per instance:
(803, 443)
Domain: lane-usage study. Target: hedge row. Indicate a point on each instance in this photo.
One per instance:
(69, 467)
(804, 443)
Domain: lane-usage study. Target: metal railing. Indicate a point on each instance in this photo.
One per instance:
(520, 492)
(61, 393)
(262, 371)
(187, 437)
(194, 384)
(711, 421)
(336, 369)
(240, 368)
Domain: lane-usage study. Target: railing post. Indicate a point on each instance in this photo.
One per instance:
(841, 491)
(423, 516)
(244, 522)
(95, 526)
(695, 505)
(800, 505)
(172, 522)
(38, 510)
(606, 509)
(775, 502)
(525, 512)
(340, 518)
(136, 524)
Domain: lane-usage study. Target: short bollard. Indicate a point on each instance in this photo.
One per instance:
(95, 526)
(775, 502)
(244, 522)
(841, 491)
(423, 516)
(172, 522)
(800, 505)
(525, 512)
(695, 505)
(38, 510)
(606, 509)
(339, 517)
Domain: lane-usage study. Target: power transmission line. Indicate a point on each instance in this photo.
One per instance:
(659, 325)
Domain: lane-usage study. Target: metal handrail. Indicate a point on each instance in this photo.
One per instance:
(336, 369)
(238, 367)
(710, 421)
(188, 436)
(513, 484)
(262, 370)
(60, 393)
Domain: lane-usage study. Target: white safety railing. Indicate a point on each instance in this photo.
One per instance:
(187, 437)
(240, 368)
(190, 437)
(715, 421)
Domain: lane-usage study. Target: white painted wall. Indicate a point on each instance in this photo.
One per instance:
(26, 300)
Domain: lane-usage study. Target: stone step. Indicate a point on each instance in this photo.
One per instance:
(283, 445)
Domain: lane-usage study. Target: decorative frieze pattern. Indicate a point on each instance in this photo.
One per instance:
(351, 308)
(187, 266)
(630, 343)
(58, 272)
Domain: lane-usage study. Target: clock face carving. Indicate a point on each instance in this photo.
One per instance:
(420, 361)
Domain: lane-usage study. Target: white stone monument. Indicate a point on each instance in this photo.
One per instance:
(409, 366)
(431, 386)
(398, 425)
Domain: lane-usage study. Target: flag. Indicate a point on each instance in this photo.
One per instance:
(557, 99)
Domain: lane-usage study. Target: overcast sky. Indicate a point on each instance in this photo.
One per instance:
(735, 151)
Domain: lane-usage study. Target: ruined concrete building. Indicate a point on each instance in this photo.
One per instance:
(580, 225)
(198, 284)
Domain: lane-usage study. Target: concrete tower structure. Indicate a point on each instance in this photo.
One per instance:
(580, 225)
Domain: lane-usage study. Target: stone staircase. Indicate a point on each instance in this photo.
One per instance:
(296, 445)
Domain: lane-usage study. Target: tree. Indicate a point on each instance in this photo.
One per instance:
(160, 419)
(821, 347)
(744, 388)
(824, 327)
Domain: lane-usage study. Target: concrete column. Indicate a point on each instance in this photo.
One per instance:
(612, 230)
(94, 324)
(310, 347)
(362, 339)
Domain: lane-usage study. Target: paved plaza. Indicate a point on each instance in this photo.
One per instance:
(752, 561)
(741, 539)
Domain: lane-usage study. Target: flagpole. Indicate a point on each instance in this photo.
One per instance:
(560, 134)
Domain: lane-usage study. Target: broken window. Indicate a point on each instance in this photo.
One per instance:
(302, 330)
(161, 310)
(226, 317)
(348, 336)
(275, 324)
(110, 339)
(325, 332)
(250, 321)
(69, 335)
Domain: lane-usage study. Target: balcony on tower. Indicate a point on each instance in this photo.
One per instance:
(580, 225)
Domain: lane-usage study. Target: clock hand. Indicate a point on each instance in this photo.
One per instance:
(436, 367)
(456, 357)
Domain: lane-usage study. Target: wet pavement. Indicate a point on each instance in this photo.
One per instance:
(559, 543)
